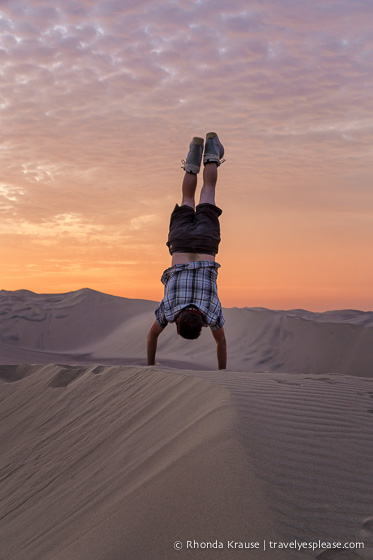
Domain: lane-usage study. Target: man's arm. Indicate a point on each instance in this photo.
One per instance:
(221, 347)
(151, 342)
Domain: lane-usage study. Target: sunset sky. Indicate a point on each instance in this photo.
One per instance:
(99, 101)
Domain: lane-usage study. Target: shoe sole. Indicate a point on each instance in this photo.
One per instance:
(211, 158)
(191, 167)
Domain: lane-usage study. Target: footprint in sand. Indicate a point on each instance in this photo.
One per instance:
(13, 373)
(368, 524)
(66, 376)
(98, 369)
(366, 532)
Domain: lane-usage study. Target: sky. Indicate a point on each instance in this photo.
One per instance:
(98, 104)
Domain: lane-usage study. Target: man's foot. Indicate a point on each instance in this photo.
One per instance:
(192, 164)
(214, 149)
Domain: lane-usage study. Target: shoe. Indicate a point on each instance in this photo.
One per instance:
(192, 164)
(214, 149)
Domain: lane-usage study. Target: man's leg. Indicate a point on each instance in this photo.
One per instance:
(214, 151)
(210, 177)
(189, 189)
(192, 166)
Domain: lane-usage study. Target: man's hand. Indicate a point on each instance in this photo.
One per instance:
(221, 347)
(151, 342)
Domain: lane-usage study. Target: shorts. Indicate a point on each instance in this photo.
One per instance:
(194, 231)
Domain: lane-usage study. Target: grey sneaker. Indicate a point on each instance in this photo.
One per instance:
(192, 164)
(214, 149)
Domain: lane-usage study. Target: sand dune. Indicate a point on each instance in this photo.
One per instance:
(310, 438)
(90, 327)
(120, 461)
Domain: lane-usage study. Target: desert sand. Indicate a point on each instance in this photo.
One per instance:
(105, 458)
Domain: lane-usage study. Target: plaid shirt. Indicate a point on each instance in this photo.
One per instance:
(191, 284)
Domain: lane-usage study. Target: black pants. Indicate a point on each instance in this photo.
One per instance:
(194, 231)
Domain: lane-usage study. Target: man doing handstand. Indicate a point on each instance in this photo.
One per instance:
(190, 294)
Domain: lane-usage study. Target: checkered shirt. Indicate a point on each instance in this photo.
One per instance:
(191, 284)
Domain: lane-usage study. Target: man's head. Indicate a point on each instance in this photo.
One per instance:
(189, 324)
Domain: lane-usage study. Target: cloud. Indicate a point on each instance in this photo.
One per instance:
(10, 193)
(62, 225)
(99, 100)
(141, 221)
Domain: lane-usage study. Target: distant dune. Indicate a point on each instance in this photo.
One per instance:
(90, 327)
(103, 458)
